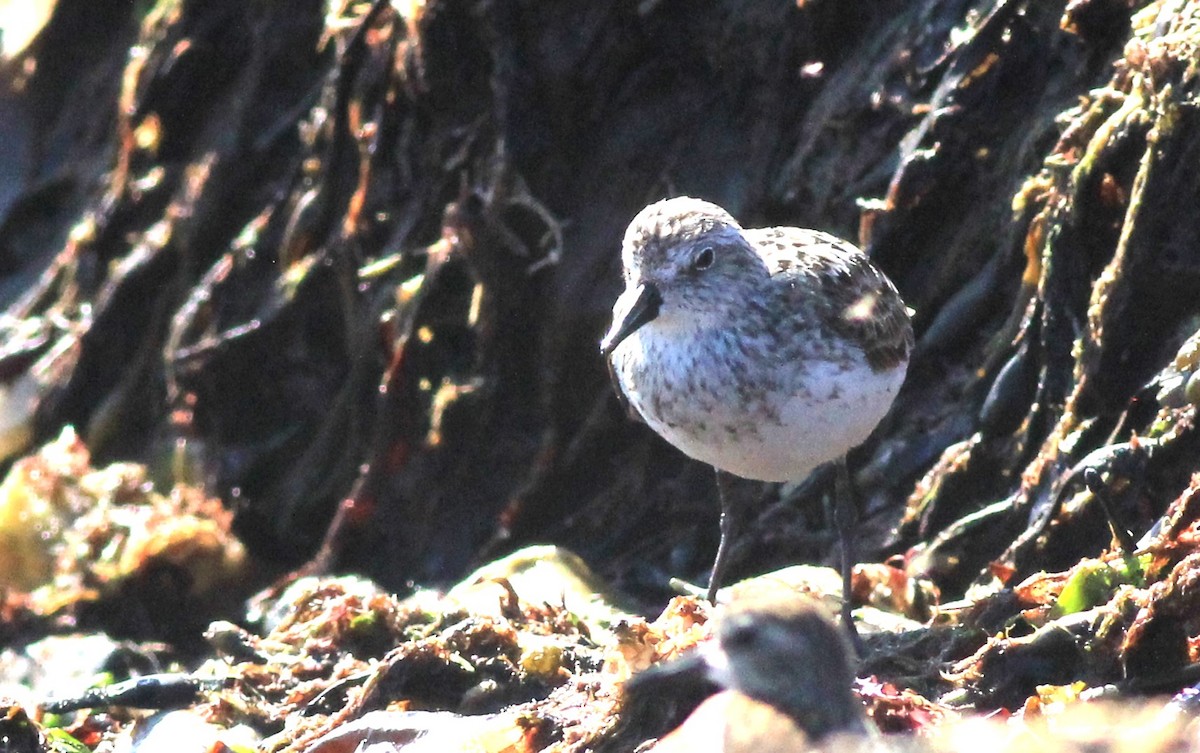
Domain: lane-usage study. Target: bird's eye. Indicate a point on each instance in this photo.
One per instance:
(738, 632)
(704, 259)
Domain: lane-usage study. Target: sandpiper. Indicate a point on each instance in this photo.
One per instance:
(787, 673)
(762, 352)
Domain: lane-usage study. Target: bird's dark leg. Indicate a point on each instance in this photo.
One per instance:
(732, 514)
(1095, 484)
(845, 513)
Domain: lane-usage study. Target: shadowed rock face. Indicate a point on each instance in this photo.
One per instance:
(318, 259)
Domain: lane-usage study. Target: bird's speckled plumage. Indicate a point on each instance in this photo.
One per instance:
(768, 351)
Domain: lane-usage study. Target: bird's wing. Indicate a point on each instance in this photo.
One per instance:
(855, 299)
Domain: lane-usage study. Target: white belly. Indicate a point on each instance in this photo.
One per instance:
(804, 414)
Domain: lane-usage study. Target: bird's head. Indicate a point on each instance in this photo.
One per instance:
(684, 262)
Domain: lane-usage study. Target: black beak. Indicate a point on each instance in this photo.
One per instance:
(634, 308)
(689, 674)
(661, 696)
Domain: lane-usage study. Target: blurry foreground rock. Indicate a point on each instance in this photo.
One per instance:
(91, 548)
(339, 666)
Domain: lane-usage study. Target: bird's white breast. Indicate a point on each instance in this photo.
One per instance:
(767, 416)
